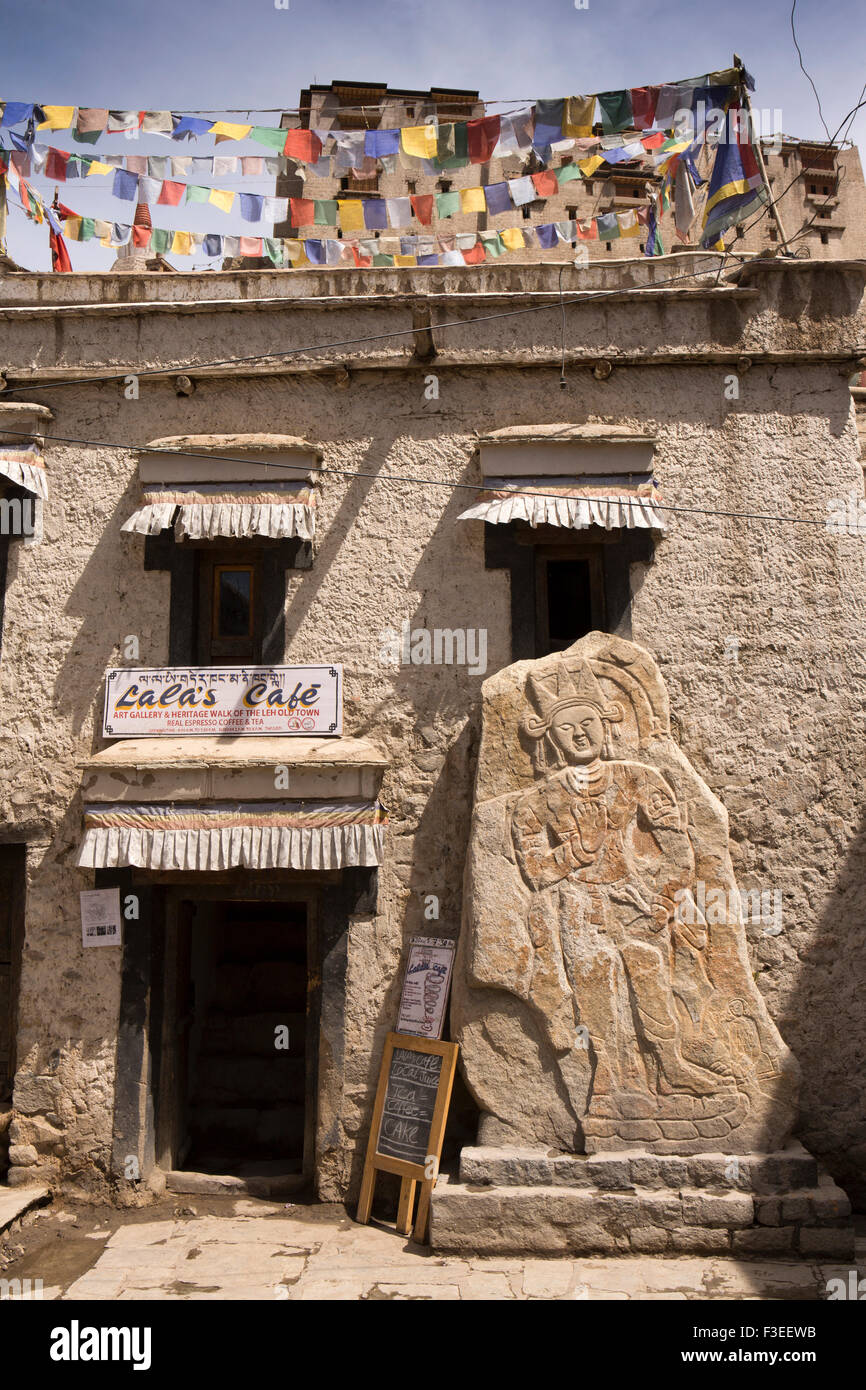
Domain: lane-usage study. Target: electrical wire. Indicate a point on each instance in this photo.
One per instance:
(805, 73)
(585, 298)
(406, 478)
(400, 333)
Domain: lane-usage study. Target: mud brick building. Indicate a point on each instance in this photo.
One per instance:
(639, 474)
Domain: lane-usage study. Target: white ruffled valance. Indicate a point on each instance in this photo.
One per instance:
(283, 835)
(239, 511)
(25, 468)
(574, 503)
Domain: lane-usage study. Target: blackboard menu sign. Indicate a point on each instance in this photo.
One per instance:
(408, 1126)
(410, 1099)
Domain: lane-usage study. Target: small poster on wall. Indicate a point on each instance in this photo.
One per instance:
(100, 917)
(425, 987)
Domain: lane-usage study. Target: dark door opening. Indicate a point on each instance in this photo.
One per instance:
(238, 1096)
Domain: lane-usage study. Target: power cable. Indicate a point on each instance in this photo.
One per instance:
(405, 478)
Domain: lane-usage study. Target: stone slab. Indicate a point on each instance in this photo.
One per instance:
(15, 1201)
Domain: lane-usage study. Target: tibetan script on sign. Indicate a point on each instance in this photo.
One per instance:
(300, 700)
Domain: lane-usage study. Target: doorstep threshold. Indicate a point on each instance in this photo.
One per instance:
(220, 1184)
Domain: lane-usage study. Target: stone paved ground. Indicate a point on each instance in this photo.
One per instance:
(246, 1249)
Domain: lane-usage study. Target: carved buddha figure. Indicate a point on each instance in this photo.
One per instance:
(603, 846)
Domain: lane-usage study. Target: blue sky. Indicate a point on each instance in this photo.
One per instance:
(225, 54)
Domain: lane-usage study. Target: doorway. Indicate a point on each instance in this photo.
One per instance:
(238, 1076)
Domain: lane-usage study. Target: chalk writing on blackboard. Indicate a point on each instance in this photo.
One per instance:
(410, 1099)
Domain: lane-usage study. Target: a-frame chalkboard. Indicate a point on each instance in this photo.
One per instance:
(408, 1126)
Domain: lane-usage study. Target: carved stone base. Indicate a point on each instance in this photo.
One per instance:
(539, 1201)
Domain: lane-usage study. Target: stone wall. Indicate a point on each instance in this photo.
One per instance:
(776, 734)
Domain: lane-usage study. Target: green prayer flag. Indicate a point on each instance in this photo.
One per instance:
(566, 173)
(447, 204)
(86, 137)
(269, 135)
(324, 212)
(452, 146)
(492, 243)
(87, 229)
(383, 260)
(196, 193)
(273, 250)
(160, 240)
(616, 112)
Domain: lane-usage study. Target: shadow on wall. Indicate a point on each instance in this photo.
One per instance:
(826, 1028)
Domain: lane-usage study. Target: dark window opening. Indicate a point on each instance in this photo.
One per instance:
(230, 626)
(233, 601)
(825, 240)
(526, 210)
(569, 596)
(444, 185)
(344, 183)
(410, 185)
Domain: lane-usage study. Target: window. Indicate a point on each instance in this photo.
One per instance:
(444, 185)
(344, 184)
(571, 214)
(229, 627)
(569, 593)
(410, 185)
(527, 211)
(825, 240)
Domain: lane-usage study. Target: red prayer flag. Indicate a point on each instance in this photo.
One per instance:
(643, 106)
(62, 211)
(482, 137)
(361, 261)
(476, 255)
(250, 246)
(304, 145)
(141, 236)
(545, 183)
(55, 165)
(652, 142)
(303, 212)
(591, 232)
(59, 254)
(422, 206)
(171, 193)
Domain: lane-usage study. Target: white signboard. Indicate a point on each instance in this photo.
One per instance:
(100, 917)
(171, 700)
(425, 988)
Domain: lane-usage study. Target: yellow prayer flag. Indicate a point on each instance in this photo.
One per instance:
(405, 260)
(472, 200)
(72, 229)
(512, 238)
(577, 116)
(588, 166)
(293, 249)
(221, 198)
(97, 167)
(57, 117)
(628, 224)
(229, 131)
(421, 141)
(182, 244)
(351, 212)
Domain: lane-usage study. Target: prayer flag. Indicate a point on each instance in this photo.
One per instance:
(171, 193)
(472, 200)
(578, 116)
(616, 112)
(221, 198)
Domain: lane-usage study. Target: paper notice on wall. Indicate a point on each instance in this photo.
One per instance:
(425, 987)
(100, 917)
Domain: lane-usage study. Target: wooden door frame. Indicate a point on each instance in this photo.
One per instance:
(166, 986)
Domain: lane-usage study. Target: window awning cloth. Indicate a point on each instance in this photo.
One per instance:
(204, 511)
(224, 835)
(26, 468)
(573, 502)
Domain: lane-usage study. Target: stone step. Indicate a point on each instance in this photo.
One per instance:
(255, 1132)
(246, 1034)
(222, 1080)
(260, 985)
(791, 1169)
(559, 1220)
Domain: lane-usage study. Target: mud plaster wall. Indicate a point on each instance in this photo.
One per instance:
(777, 734)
